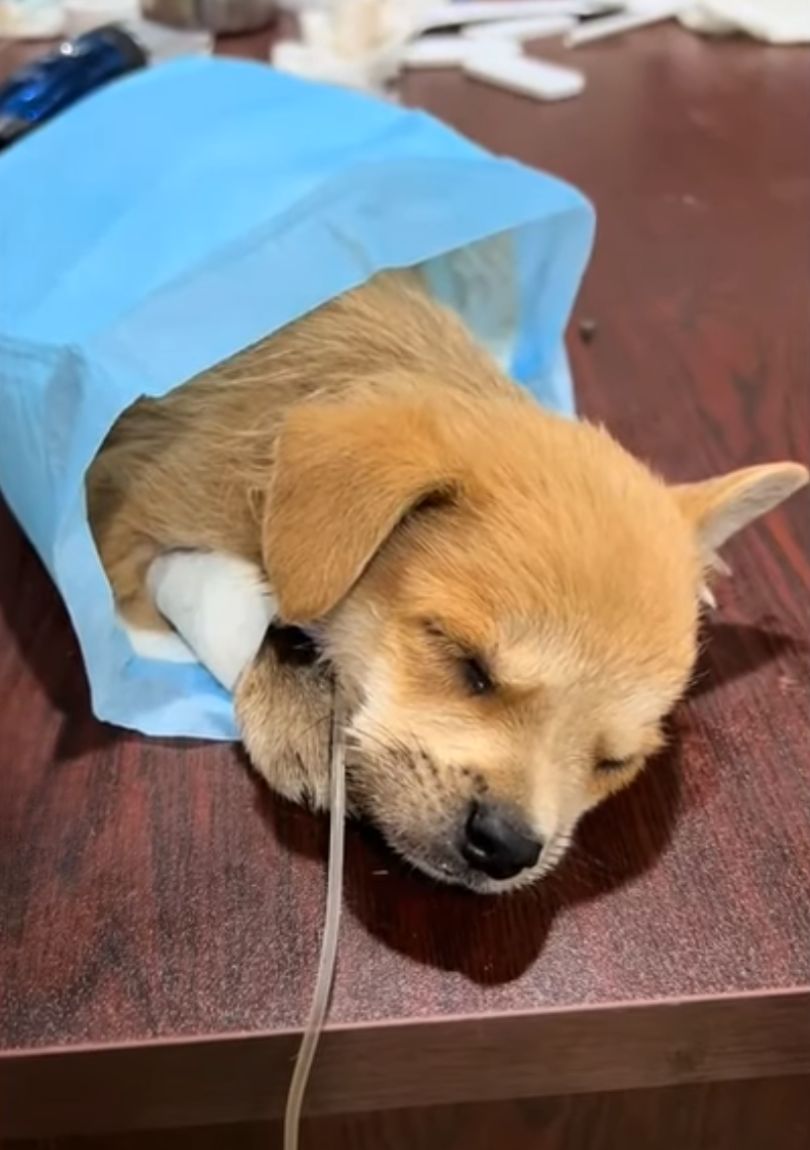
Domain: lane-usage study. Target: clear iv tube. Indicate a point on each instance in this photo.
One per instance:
(326, 963)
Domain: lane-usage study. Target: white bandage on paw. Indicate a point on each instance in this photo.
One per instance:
(221, 607)
(162, 646)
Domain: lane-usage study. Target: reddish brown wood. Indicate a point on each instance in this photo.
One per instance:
(719, 1116)
(409, 1064)
(153, 890)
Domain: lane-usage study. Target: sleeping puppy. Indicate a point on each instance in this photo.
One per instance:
(508, 600)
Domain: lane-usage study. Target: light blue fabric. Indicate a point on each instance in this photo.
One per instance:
(186, 212)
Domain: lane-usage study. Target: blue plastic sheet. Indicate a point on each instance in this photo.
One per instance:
(186, 212)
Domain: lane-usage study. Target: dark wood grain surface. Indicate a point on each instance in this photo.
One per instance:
(770, 1113)
(153, 890)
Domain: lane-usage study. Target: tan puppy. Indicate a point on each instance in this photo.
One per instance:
(509, 600)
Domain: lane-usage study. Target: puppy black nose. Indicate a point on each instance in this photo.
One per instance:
(497, 842)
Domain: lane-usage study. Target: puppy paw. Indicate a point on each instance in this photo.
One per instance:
(283, 703)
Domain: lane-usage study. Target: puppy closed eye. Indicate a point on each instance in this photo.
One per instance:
(473, 669)
(476, 675)
(612, 766)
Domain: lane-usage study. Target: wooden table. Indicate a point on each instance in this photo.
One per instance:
(161, 911)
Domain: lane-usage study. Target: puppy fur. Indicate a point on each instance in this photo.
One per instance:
(509, 600)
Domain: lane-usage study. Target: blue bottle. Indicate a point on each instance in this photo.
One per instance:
(45, 87)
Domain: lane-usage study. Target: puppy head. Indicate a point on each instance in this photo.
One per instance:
(511, 602)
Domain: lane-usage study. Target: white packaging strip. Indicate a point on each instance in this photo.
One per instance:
(602, 28)
(541, 28)
(537, 79)
(477, 11)
(452, 51)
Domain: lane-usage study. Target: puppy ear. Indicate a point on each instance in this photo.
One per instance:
(345, 475)
(721, 507)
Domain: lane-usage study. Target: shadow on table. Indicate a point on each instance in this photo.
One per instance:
(492, 941)
(734, 651)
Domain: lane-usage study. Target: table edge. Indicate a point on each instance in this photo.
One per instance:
(243, 1078)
